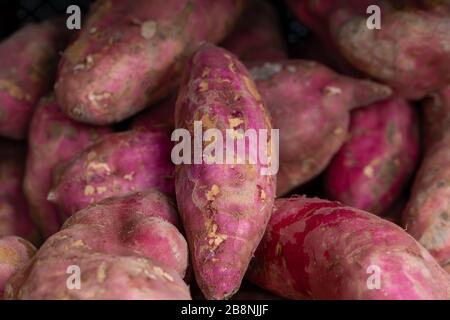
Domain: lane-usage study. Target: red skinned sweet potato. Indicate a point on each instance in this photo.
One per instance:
(427, 216)
(372, 168)
(119, 163)
(28, 61)
(14, 212)
(53, 140)
(257, 35)
(130, 54)
(399, 53)
(317, 249)
(224, 207)
(125, 248)
(14, 252)
(310, 105)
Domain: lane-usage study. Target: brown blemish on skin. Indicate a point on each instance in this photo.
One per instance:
(148, 29)
(89, 190)
(9, 255)
(215, 238)
(13, 90)
(251, 88)
(212, 194)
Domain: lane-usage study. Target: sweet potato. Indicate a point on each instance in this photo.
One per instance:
(130, 54)
(120, 163)
(310, 105)
(14, 252)
(28, 61)
(14, 212)
(224, 207)
(427, 216)
(399, 53)
(257, 35)
(372, 168)
(125, 248)
(53, 139)
(317, 249)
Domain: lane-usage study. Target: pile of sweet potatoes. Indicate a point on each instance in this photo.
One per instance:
(152, 159)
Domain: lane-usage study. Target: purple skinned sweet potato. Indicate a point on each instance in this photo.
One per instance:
(257, 35)
(130, 54)
(310, 105)
(119, 163)
(53, 140)
(427, 215)
(399, 53)
(224, 205)
(14, 211)
(318, 249)
(14, 252)
(373, 167)
(28, 61)
(125, 248)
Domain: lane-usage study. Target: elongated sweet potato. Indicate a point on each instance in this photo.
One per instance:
(372, 168)
(14, 212)
(53, 139)
(319, 249)
(224, 207)
(28, 61)
(399, 53)
(130, 54)
(257, 35)
(427, 216)
(310, 105)
(123, 248)
(120, 163)
(14, 252)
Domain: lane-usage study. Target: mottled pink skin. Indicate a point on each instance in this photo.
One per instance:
(411, 52)
(427, 216)
(116, 245)
(145, 42)
(257, 35)
(317, 249)
(373, 167)
(14, 212)
(28, 61)
(53, 140)
(119, 163)
(224, 207)
(310, 105)
(14, 252)
(158, 118)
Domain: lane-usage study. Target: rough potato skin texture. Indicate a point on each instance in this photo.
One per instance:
(317, 249)
(14, 212)
(399, 53)
(372, 168)
(119, 163)
(130, 54)
(257, 35)
(14, 252)
(28, 61)
(427, 216)
(126, 248)
(310, 105)
(224, 207)
(53, 139)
